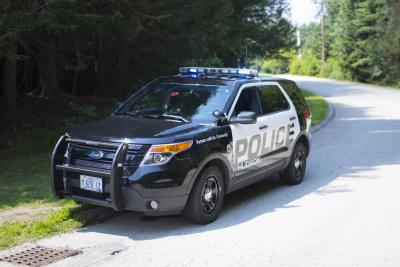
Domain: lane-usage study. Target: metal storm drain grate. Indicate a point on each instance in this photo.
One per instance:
(39, 256)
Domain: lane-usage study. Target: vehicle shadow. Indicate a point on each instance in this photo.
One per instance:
(342, 150)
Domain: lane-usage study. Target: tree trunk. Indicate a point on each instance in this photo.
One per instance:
(10, 85)
(48, 69)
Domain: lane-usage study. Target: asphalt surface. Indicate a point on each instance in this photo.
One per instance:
(345, 213)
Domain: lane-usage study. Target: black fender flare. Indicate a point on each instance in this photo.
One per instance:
(302, 135)
(215, 156)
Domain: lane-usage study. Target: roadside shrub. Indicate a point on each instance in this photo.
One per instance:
(333, 70)
(278, 64)
(308, 65)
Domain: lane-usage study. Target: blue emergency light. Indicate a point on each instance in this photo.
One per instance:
(218, 71)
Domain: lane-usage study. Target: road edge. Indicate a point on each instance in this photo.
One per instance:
(327, 120)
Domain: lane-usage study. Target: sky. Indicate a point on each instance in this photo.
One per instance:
(302, 11)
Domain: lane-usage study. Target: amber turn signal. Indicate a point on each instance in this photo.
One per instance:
(171, 148)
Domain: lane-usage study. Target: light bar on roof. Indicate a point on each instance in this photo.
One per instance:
(218, 71)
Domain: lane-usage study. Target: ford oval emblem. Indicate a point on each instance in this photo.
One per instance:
(95, 154)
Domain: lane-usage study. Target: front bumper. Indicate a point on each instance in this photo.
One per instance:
(119, 193)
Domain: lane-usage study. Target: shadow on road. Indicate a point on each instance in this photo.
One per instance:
(353, 143)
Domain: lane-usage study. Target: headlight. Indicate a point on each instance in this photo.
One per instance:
(161, 154)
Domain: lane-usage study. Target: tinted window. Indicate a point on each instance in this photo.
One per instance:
(247, 101)
(272, 99)
(297, 98)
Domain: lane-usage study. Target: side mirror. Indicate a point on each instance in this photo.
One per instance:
(118, 105)
(222, 119)
(245, 117)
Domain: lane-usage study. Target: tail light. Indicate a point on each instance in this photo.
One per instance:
(306, 112)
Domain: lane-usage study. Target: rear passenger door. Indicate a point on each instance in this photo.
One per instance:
(279, 124)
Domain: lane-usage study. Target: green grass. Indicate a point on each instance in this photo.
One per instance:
(25, 148)
(25, 183)
(25, 180)
(71, 216)
(318, 106)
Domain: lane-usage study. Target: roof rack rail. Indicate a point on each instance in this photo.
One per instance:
(219, 71)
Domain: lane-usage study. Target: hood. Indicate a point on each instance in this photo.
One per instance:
(136, 130)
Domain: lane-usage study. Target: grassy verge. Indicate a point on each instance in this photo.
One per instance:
(25, 180)
(69, 217)
(318, 106)
(25, 184)
(28, 211)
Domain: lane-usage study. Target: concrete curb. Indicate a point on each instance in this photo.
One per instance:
(328, 119)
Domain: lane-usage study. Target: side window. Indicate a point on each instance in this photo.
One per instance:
(272, 99)
(295, 95)
(247, 101)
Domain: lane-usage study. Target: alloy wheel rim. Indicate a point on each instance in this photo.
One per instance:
(209, 195)
(298, 163)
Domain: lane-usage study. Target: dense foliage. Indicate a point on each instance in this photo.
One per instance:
(362, 42)
(106, 47)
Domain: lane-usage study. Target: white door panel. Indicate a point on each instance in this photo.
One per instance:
(265, 142)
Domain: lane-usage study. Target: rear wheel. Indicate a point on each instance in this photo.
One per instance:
(296, 169)
(206, 198)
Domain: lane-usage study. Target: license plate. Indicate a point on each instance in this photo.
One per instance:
(91, 183)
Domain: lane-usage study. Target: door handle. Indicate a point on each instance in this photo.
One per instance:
(262, 127)
(292, 118)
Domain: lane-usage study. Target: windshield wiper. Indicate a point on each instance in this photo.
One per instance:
(164, 116)
(153, 116)
(174, 117)
(127, 113)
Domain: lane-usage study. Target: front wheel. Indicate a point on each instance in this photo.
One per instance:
(206, 198)
(294, 173)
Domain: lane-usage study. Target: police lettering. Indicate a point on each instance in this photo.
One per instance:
(258, 145)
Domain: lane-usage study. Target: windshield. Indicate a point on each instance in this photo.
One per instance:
(183, 102)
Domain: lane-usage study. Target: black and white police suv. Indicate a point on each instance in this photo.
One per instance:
(182, 142)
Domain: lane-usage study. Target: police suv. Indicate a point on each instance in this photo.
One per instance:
(182, 142)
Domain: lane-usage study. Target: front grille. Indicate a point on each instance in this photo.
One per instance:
(79, 155)
(93, 164)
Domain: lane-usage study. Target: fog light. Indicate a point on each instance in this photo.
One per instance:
(154, 204)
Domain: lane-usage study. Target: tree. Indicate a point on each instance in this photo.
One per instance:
(105, 47)
(391, 45)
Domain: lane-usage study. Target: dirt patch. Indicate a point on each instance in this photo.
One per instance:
(26, 213)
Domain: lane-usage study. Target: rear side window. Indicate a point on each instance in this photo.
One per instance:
(295, 94)
(297, 98)
(272, 99)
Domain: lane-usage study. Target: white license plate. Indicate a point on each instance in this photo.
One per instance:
(91, 183)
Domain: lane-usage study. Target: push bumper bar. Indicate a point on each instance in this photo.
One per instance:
(59, 168)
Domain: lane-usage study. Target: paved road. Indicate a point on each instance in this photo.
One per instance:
(346, 213)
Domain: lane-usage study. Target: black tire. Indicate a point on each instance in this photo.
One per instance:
(205, 200)
(294, 173)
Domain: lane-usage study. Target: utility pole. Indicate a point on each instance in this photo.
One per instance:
(298, 43)
(322, 13)
(322, 39)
